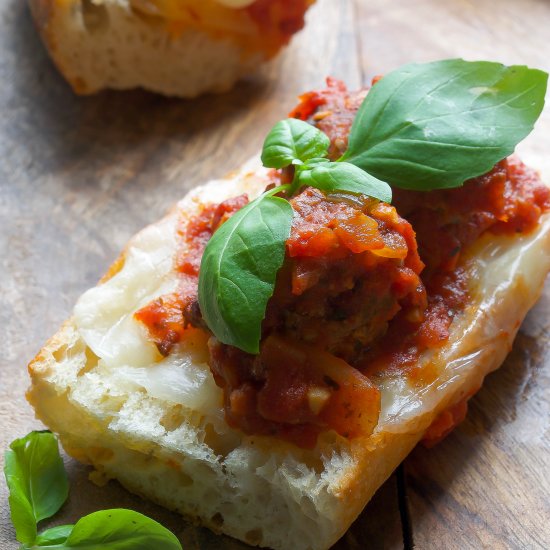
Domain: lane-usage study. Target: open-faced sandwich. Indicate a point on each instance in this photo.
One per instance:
(263, 357)
(175, 47)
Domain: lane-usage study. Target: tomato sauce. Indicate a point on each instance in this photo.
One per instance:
(167, 316)
(293, 391)
(350, 267)
(351, 264)
(363, 291)
(287, 14)
(263, 26)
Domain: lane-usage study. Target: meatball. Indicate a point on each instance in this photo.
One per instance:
(351, 266)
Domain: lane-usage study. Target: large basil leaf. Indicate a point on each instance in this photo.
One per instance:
(120, 529)
(36, 480)
(435, 125)
(238, 270)
(293, 140)
(343, 176)
(116, 529)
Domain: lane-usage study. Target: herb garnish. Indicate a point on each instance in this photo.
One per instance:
(38, 487)
(36, 480)
(435, 125)
(422, 127)
(242, 260)
(295, 142)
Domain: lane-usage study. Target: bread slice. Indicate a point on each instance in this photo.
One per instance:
(100, 44)
(157, 424)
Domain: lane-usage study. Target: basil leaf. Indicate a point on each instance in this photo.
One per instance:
(116, 529)
(435, 125)
(343, 176)
(22, 515)
(293, 140)
(36, 480)
(238, 270)
(54, 535)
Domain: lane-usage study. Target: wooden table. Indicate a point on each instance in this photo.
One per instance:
(78, 176)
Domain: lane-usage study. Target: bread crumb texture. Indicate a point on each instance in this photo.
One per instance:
(107, 44)
(190, 462)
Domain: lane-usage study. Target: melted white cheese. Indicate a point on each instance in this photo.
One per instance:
(104, 314)
(105, 318)
(504, 270)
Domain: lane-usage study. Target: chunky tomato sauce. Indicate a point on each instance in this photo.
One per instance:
(351, 265)
(363, 291)
(164, 317)
(508, 199)
(293, 391)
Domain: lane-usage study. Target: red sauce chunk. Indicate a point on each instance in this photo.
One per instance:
(365, 288)
(288, 16)
(351, 266)
(293, 391)
(164, 317)
(508, 199)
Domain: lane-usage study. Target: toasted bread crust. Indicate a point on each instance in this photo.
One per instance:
(315, 495)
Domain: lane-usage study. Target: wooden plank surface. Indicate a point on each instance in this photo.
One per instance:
(78, 176)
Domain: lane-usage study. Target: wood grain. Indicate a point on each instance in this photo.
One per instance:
(78, 176)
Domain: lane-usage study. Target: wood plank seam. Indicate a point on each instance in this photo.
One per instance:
(404, 512)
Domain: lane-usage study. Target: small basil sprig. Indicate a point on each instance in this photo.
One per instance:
(38, 487)
(287, 144)
(116, 529)
(292, 141)
(422, 127)
(436, 125)
(240, 262)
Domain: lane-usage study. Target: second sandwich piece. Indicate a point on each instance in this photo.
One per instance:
(175, 47)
